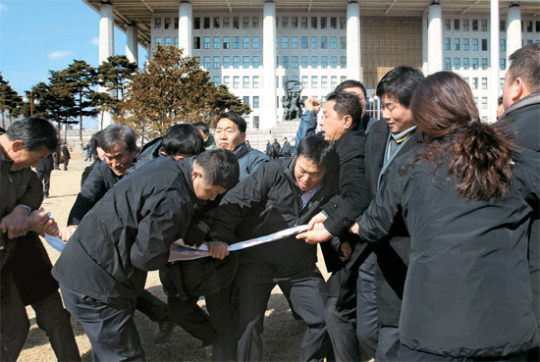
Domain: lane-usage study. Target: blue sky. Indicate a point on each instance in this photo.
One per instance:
(41, 35)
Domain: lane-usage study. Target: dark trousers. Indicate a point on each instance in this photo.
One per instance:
(407, 354)
(66, 161)
(153, 307)
(45, 177)
(302, 289)
(109, 327)
(367, 327)
(51, 317)
(217, 327)
(341, 325)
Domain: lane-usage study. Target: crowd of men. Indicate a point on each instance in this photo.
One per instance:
(352, 184)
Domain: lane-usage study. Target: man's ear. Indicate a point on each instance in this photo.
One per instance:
(17, 146)
(518, 89)
(347, 122)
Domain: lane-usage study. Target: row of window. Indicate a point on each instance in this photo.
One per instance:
(464, 63)
(314, 81)
(466, 43)
(215, 43)
(323, 22)
(285, 42)
(285, 62)
(463, 24)
(246, 22)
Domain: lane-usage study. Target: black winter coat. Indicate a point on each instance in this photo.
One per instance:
(96, 185)
(467, 291)
(265, 203)
(521, 120)
(128, 232)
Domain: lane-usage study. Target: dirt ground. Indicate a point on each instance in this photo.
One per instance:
(282, 334)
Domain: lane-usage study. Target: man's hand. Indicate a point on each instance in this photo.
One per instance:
(312, 104)
(16, 223)
(316, 234)
(355, 228)
(218, 249)
(66, 233)
(319, 218)
(346, 251)
(41, 223)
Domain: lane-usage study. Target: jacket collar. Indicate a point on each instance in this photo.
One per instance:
(241, 150)
(533, 98)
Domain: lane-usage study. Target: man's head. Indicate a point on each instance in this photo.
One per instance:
(182, 141)
(203, 129)
(523, 74)
(285, 139)
(96, 148)
(29, 141)
(357, 88)
(230, 131)
(342, 113)
(119, 144)
(213, 173)
(395, 91)
(315, 159)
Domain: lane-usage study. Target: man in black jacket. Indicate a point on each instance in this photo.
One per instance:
(119, 144)
(66, 155)
(521, 99)
(277, 196)
(128, 232)
(25, 268)
(43, 171)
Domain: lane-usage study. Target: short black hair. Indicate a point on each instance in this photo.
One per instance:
(34, 132)
(203, 127)
(182, 138)
(115, 133)
(347, 104)
(236, 118)
(351, 83)
(94, 142)
(400, 83)
(524, 63)
(220, 167)
(320, 152)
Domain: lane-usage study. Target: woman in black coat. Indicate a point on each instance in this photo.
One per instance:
(467, 197)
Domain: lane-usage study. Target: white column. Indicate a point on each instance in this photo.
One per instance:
(513, 30)
(106, 32)
(106, 45)
(132, 50)
(424, 42)
(434, 47)
(269, 108)
(353, 41)
(495, 55)
(185, 40)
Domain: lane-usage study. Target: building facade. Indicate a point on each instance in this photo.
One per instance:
(255, 47)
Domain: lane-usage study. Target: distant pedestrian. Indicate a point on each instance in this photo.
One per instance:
(276, 148)
(89, 151)
(286, 148)
(66, 154)
(43, 171)
(269, 149)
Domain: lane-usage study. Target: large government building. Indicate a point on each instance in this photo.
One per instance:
(255, 47)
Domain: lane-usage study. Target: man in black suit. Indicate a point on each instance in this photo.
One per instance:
(66, 154)
(377, 274)
(43, 171)
(521, 101)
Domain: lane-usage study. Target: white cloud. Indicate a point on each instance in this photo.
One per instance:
(59, 54)
(95, 41)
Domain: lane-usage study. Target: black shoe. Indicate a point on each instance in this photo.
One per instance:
(164, 333)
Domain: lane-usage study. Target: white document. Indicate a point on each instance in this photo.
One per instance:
(181, 251)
